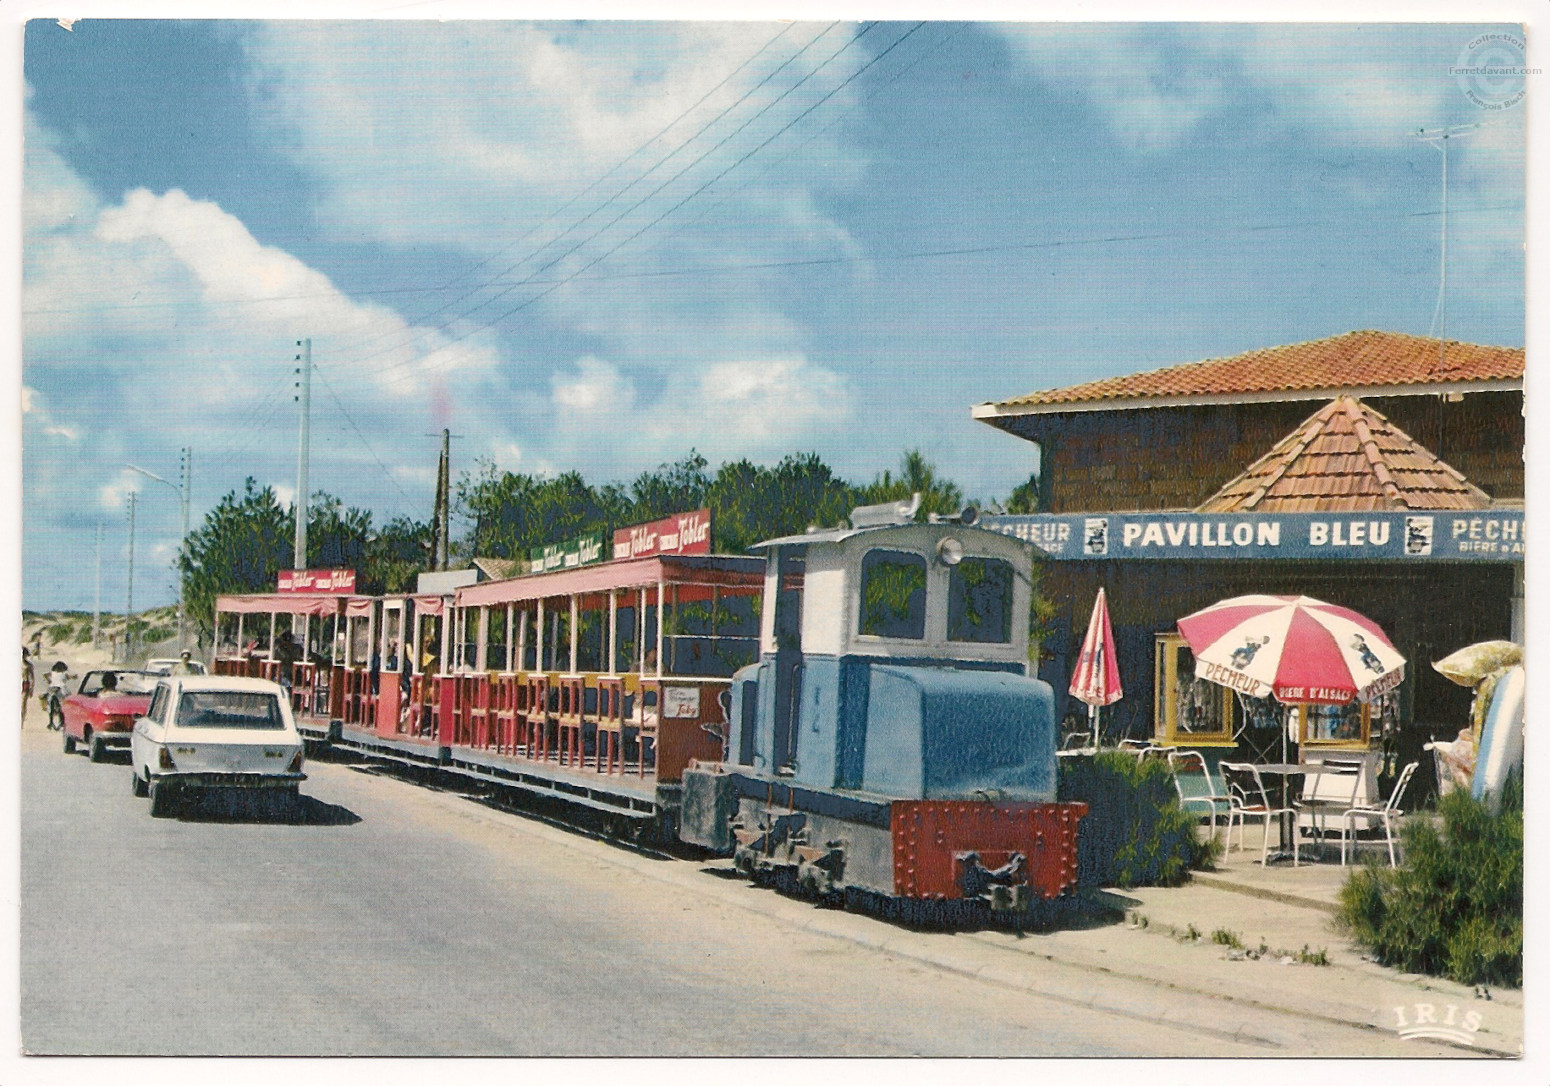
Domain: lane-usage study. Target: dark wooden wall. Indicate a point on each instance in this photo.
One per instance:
(1177, 457)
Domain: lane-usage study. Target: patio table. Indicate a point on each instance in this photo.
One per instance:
(1286, 770)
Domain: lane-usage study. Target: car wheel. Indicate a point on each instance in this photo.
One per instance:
(95, 751)
(161, 799)
(137, 783)
(69, 744)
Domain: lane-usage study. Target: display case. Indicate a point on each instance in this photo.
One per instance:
(1334, 727)
(1188, 711)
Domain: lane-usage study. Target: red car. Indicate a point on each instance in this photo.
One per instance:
(102, 712)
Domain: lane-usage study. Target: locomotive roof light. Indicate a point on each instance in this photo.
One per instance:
(885, 513)
(967, 516)
(949, 551)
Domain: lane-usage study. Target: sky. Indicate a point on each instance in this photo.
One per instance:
(595, 245)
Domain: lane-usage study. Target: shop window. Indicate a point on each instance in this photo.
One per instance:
(1337, 727)
(979, 601)
(893, 594)
(1189, 712)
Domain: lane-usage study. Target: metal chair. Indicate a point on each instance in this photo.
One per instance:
(1192, 778)
(1332, 789)
(1251, 800)
(1385, 815)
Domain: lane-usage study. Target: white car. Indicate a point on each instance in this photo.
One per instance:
(214, 732)
(165, 665)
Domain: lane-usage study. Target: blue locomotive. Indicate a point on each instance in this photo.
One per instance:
(889, 739)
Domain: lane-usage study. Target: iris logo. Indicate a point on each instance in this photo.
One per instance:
(1419, 1020)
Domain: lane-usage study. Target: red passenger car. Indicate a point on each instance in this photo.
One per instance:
(101, 713)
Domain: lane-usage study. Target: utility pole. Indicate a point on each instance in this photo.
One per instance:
(441, 518)
(443, 485)
(305, 370)
(129, 599)
(96, 607)
(1438, 138)
(185, 473)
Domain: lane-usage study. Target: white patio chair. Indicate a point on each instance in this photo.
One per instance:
(1386, 815)
(1330, 790)
(1251, 800)
(1192, 778)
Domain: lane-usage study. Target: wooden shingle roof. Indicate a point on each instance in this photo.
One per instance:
(1346, 458)
(1362, 363)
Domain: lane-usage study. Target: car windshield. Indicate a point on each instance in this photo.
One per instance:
(229, 709)
(97, 685)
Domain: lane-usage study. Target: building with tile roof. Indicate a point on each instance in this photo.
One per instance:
(1346, 458)
(1170, 438)
(1400, 497)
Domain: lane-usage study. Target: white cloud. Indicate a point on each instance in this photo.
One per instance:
(1156, 84)
(489, 137)
(768, 403)
(595, 386)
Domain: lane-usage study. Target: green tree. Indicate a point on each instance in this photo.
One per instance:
(336, 536)
(242, 545)
(395, 556)
(916, 474)
(750, 502)
(671, 488)
(1025, 498)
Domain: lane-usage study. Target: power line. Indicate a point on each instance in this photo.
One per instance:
(609, 252)
(611, 223)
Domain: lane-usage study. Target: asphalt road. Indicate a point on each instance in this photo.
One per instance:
(385, 918)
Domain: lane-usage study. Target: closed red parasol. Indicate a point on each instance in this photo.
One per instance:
(1095, 680)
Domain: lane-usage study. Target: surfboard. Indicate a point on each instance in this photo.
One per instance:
(1501, 740)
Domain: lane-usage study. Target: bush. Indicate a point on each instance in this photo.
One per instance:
(1455, 906)
(1135, 832)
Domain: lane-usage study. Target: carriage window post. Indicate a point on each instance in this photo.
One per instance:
(660, 625)
(613, 631)
(482, 659)
(575, 609)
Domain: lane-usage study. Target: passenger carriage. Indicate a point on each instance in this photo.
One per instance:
(249, 633)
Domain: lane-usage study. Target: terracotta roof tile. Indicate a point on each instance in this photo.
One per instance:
(1355, 360)
(1346, 457)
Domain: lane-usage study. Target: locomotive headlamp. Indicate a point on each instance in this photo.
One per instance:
(949, 551)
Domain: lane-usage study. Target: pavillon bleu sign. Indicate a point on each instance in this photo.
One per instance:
(1494, 535)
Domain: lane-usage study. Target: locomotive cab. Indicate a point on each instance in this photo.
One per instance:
(906, 674)
(892, 690)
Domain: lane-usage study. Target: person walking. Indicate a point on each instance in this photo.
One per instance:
(28, 676)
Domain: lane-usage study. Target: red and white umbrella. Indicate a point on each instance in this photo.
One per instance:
(1095, 679)
(1296, 648)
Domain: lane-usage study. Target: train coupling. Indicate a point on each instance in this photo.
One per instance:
(758, 845)
(1004, 887)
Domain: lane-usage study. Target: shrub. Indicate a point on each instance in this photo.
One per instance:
(1455, 906)
(1135, 832)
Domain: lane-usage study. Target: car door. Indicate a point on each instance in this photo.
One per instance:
(77, 707)
(151, 731)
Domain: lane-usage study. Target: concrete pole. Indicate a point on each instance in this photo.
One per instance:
(302, 453)
(96, 608)
(188, 480)
(129, 598)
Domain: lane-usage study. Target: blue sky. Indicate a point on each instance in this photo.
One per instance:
(594, 245)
